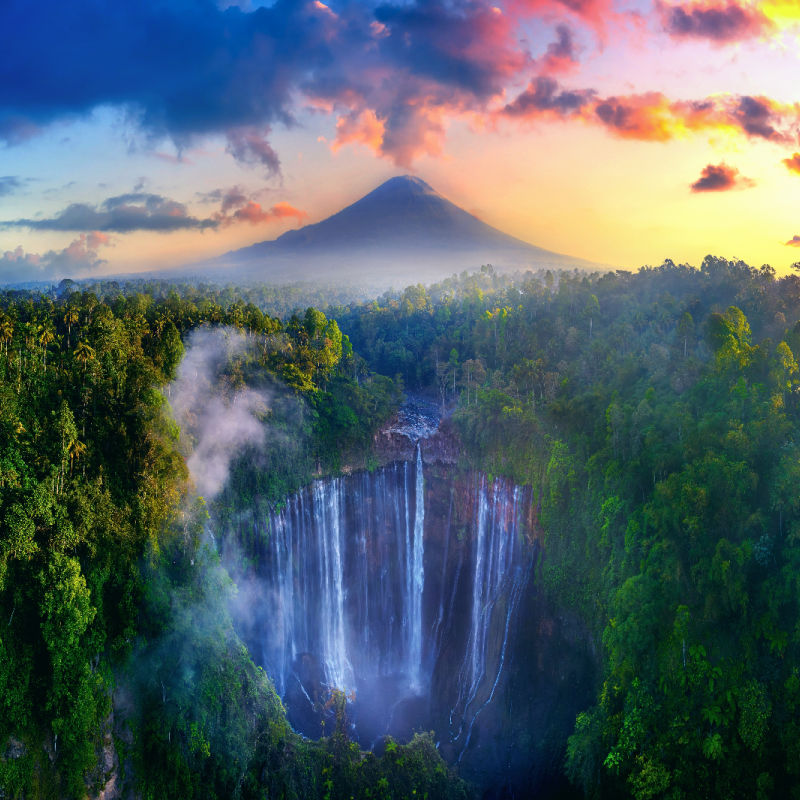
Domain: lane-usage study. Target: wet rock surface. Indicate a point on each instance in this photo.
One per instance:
(495, 674)
(419, 421)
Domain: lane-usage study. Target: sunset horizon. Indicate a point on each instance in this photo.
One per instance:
(619, 133)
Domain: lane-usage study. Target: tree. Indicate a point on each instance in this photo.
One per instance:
(590, 310)
(84, 354)
(685, 331)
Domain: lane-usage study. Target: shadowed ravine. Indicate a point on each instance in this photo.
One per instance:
(399, 587)
(411, 588)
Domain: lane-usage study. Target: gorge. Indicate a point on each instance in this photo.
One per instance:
(405, 588)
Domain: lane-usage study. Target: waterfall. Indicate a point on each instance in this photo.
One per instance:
(417, 575)
(399, 587)
(495, 578)
(327, 509)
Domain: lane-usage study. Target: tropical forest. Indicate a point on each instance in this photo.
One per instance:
(507, 535)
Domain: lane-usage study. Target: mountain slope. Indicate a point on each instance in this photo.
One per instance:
(401, 231)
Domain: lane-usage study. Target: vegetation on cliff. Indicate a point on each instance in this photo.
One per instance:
(657, 416)
(106, 588)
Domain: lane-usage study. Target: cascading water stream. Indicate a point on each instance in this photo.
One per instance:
(338, 672)
(494, 577)
(398, 591)
(417, 574)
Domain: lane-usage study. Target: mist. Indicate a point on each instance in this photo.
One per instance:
(217, 418)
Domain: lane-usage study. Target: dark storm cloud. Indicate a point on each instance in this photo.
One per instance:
(188, 68)
(462, 45)
(184, 66)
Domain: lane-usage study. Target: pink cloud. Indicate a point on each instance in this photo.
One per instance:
(560, 56)
(720, 178)
(793, 163)
(652, 116)
(597, 14)
(718, 22)
(251, 212)
(78, 259)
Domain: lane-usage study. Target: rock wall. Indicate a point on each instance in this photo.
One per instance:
(447, 632)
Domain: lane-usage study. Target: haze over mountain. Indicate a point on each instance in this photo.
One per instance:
(403, 231)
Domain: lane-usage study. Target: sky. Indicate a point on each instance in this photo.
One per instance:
(149, 134)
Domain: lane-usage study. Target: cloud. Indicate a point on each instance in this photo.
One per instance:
(250, 146)
(652, 116)
(78, 259)
(720, 178)
(185, 70)
(597, 14)
(423, 62)
(236, 205)
(544, 97)
(9, 184)
(139, 211)
(135, 211)
(181, 69)
(647, 116)
(360, 127)
(469, 47)
(794, 241)
(793, 163)
(233, 198)
(393, 74)
(720, 23)
(219, 423)
(759, 117)
(254, 214)
(560, 55)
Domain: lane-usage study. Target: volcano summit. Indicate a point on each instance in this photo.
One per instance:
(403, 231)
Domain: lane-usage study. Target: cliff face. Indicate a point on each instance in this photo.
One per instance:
(419, 421)
(413, 588)
(442, 447)
(540, 666)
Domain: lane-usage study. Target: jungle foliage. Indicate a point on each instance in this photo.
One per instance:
(657, 415)
(115, 640)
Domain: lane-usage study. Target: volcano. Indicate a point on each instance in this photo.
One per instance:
(403, 231)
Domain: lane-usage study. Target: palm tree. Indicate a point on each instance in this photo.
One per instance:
(6, 332)
(76, 449)
(46, 337)
(70, 318)
(84, 354)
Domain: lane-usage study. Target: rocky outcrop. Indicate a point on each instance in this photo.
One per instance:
(442, 447)
(105, 780)
(418, 421)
